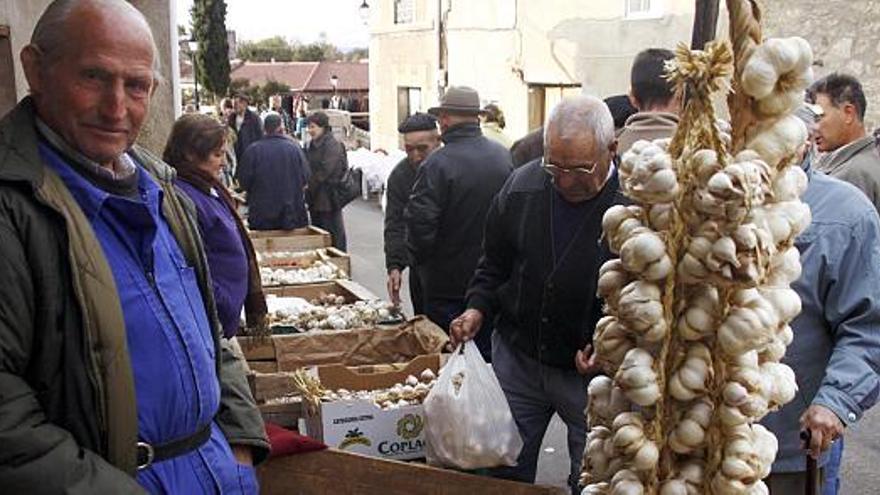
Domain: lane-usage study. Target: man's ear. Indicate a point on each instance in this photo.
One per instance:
(850, 113)
(31, 58)
(613, 148)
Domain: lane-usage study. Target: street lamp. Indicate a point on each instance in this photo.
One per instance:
(364, 11)
(193, 47)
(334, 81)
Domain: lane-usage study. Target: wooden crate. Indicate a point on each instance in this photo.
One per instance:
(351, 291)
(336, 472)
(305, 259)
(267, 388)
(303, 239)
(356, 347)
(287, 414)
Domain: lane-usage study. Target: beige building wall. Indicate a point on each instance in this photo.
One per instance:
(21, 17)
(505, 48)
(844, 34)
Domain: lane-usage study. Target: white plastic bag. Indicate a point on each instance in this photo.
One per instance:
(468, 424)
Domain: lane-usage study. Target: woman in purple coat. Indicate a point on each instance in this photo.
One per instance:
(197, 149)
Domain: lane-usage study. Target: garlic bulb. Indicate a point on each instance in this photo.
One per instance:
(626, 482)
(689, 434)
(777, 73)
(612, 278)
(777, 142)
(319, 271)
(748, 455)
(687, 479)
(597, 489)
(659, 216)
(605, 401)
(637, 379)
(691, 379)
(611, 341)
(698, 319)
(645, 254)
(619, 222)
(646, 173)
(640, 310)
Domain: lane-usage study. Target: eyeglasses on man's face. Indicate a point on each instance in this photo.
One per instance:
(580, 171)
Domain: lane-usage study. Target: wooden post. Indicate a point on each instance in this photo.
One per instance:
(705, 20)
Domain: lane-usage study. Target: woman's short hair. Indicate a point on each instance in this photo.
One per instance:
(193, 138)
(320, 119)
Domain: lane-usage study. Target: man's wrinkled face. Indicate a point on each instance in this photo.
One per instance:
(96, 93)
(420, 144)
(831, 129)
(578, 166)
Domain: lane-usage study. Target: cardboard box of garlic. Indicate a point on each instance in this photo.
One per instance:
(355, 347)
(304, 259)
(369, 411)
(698, 303)
(319, 271)
(292, 314)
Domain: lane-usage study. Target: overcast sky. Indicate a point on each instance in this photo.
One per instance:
(301, 20)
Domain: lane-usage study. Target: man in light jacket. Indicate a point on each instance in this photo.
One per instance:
(835, 353)
(655, 98)
(850, 153)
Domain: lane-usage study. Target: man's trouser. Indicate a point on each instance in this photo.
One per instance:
(331, 221)
(534, 392)
(793, 483)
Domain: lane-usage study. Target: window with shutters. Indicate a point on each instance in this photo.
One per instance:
(404, 11)
(643, 9)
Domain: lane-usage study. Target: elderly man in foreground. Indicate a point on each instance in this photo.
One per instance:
(113, 375)
(537, 277)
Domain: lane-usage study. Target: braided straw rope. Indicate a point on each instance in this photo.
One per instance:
(701, 74)
(745, 35)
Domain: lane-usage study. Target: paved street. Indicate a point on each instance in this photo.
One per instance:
(363, 221)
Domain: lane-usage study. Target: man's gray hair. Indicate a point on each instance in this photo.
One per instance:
(50, 34)
(584, 112)
(272, 122)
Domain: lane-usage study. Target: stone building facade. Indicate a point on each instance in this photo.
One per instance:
(844, 34)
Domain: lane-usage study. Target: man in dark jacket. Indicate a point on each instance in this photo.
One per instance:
(420, 138)
(274, 172)
(113, 375)
(537, 277)
(246, 124)
(450, 198)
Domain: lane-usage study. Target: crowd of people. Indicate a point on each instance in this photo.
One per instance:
(530, 293)
(502, 244)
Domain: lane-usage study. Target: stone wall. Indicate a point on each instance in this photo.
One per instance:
(845, 36)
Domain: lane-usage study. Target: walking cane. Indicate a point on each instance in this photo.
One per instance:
(812, 467)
